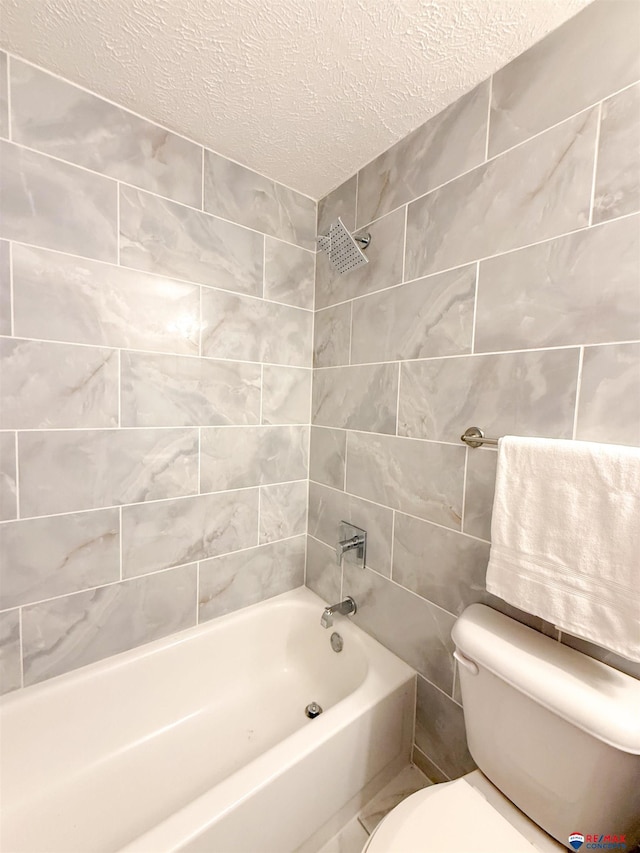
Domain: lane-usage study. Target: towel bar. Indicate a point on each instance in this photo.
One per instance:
(474, 437)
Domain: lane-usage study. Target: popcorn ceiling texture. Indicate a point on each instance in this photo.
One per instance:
(303, 92)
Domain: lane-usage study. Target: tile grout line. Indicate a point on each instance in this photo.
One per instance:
(350, 332)
(93, 429)
(118, 231)
(199, 460)
(119, 356)
(202, 179)
(464, 488)
(393, 542)
(9, 99)
(16, 446)
(404, 243)
(398, 400)
(431, 761)
(578, 393)
(475, 309)
(12, 319)
(486, 147)
(21, 644)
(595, 165)
(259, 513)
(120, 538)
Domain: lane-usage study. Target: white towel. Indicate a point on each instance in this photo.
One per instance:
(566, 537)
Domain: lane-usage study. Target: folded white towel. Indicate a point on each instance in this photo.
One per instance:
(566, 537)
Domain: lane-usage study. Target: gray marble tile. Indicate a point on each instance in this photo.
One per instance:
(69, 299)
(440, 732)
(383, 270)
(582, 288)
(522, 393)
(593, 54)
(609, 404)
(538, 190)
(56, 205)
(480, 488)
(10, 663)
(286, 395)
(449, 144)
(617, 187)
(429, 317)
(79, 629)
(168, 390)
(283, 511)
(327, 456)
(5, 288)
(246, 329)
(238, 580)
(323, 575)
(86, 469)
(424, 639)
(8, 498)
(630, 667)
(340, 202)
(433, 773)
(363, 397)
(238, 457)
(332, 336)
(441, 565)
(172, 533)
(163, 237)
(4, 96)
(350, 839)
(47, 557)
(236, 193)
(57, 118)
(407, 782)
(289, 273)
(416, 477)
(47, 386)
(328, 507)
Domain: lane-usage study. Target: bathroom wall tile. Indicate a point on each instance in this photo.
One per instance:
(424, 640)
(340, 202)
(323, 575)
(630, 667)
(609, 404)
(283, 511)
(238, 457)
(246, 329)
(57, 118)
(440, 732)
(332, 336)
(46, 386)
(289, 273)
(407, 782)
(163, 237)
(327, 456)
(10, 662)
(57, 297)
(480, 488)
(538, 190)
(286, 395)
(47, 557)
(521, 616)
(171, 533)
(617, 187)
(429, 317)
(426, 766)
(85, 469)
(5, 288)
(574, 289)
(356, 397)
(55, 205)
(416, 477)
(522, 393)
(441, 565)
(4, 96)
(79, 629)
(167, 390)
(238, 580)
(441, 149)
(593, 54)
(327, 508)
(351, 839)
(383, 270)
(8, 498)
(236, 193)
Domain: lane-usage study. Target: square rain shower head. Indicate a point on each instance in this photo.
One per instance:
(342, 249)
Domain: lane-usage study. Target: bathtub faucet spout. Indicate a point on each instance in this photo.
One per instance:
(346, 608)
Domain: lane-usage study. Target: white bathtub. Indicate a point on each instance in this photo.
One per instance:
(199, 742)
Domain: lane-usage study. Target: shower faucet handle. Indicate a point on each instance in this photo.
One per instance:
(353, 540)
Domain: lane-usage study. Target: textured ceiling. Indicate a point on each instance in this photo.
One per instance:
(304, 91)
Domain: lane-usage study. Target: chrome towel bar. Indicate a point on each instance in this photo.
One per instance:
(474, 437)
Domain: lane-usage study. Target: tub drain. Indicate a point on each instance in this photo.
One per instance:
(313, 710)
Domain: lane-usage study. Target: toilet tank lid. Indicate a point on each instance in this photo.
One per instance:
(596, 698)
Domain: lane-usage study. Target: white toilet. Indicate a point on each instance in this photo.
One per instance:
(556, 736)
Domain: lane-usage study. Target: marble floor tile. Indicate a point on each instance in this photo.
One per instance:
(237, 580)
(53, 204)
(363, 397)
(5, 289)
(323, 574)
(327, 456)
(440, 731)
(8, 497)
(617, 187)
(286, 395)
(350, 839)
(340, 202)
(60, 119)
(283, 511)
(10, 660)
(332, 336)
(289, 273)
(407, 782)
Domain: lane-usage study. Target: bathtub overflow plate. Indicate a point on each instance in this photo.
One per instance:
(337, 642)
(313, 710)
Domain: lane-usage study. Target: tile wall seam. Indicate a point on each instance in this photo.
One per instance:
(439, 689)
(346, 450)
(576, 413)
(165, 127)
(431, 761)
(350, 331)
(393, 542)
(260, 488)
(200, 323)
(414, 715)
(171, 426)
(12, 322)
(261, 420)
(595, 164)
(475, 309)
(9, 117)
(264, 266)
(18, 514)
(404, 243)
(118, 231)
(199, 460)
(197, 622)
(455, 672)
(486, 146)
(398, 399)
(120, 538)
(202, 178)
(21, 646)
(355, 212)
(119, 355)
(464, 487)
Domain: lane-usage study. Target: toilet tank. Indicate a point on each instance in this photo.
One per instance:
(556, 731)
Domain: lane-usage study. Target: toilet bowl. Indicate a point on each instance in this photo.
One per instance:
(469, 814)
